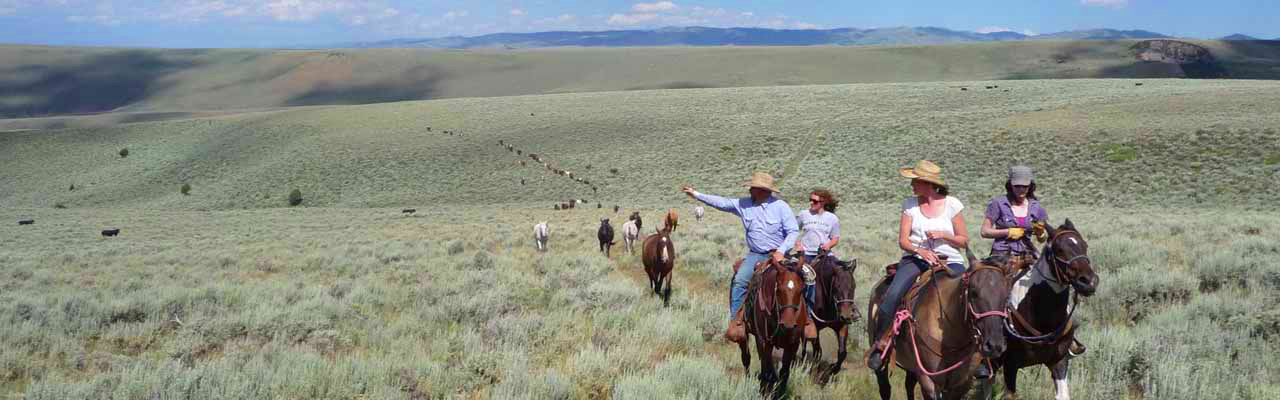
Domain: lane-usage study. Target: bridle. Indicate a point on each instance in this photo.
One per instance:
(1057, 265)
(827, 285)
(971, 317)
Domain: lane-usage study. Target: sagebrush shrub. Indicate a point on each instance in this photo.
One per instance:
(185, 189)
(295, 197)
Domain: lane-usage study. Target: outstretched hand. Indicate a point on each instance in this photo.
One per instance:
(687, 190)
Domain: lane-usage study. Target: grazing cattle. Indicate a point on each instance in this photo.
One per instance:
(635, 216)
(1138, 84)
(629, 235)
(659, 256)
(409, 210)
(111, 232)
(26, 222)
(522, 181)
(698, 211)
(605, 234)
(540, 233)
(964, 89)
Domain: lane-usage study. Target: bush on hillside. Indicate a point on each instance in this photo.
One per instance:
(124, 152)
(295, 197)
(186, 189)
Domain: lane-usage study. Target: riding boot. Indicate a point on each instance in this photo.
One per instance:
(737, 331)
(1077, 349)
(875, 354)
(984, 371)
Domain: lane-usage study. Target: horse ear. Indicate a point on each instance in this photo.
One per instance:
(1048, 228)
(1068, 225)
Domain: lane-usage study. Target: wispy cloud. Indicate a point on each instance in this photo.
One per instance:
(661, 6)
(1106, 3)
(516, 12)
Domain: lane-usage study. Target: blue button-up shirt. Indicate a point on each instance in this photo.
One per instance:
(769, 225)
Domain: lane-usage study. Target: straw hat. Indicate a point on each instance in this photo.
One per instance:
(926, 171)
(764, 181)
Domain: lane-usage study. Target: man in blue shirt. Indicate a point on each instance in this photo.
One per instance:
(771, 231)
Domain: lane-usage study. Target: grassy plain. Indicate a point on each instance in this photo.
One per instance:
(165, 84)
(456, 303)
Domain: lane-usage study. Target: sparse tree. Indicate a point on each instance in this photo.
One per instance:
(124, 152)
(186, 189)
(295, 197)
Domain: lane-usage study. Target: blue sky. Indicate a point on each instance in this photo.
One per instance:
(267, 23)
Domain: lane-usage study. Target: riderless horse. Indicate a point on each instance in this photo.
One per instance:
(659, 256)
(944, 328)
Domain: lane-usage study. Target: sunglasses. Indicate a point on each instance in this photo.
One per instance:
(815, 200)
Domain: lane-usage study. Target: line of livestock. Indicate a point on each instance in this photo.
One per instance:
(945, 328)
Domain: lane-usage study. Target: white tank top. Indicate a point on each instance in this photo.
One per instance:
(921, 224)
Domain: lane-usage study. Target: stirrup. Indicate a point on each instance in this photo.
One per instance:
(1075, 344)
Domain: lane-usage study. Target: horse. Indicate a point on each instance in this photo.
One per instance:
(605, 235)
(635, 216)
(959, 322)
(629, 235)
(833, 305)
(1040, 330)
(697, 213)
(540, 233)
(659, 257)
(775, 316)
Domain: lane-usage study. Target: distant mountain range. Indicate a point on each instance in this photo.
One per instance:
(703, 36)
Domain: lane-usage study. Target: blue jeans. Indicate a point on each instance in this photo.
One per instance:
(908, 270)
(742, 279)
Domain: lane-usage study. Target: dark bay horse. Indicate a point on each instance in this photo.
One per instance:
(775, 315)
(1040, 331)
(956, 322)
(605, 235)
(833, 305)
(659, 257)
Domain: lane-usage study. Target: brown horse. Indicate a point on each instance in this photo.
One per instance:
(659, 257)
(775, 315)
(957, 322)
(1040, 330)
(833, 304)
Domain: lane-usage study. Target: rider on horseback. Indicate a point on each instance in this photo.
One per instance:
(820, 231)
(771, 231)
(931, 229)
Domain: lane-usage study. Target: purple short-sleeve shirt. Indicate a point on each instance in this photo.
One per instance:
(1000, 212)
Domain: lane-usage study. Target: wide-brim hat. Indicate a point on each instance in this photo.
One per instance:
(1020, 175)
(925, 170)
(764, 181)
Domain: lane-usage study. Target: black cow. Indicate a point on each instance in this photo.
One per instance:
(605, 234)
(26, 222)
(111, 232)
(409, 210)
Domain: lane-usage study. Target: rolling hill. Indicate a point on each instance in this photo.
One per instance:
(140, 85)
(1112, 142)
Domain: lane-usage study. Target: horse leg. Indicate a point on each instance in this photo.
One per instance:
(746, 357)
(1060, 384)
(882, 380)
(767, 375)
(788, 356)
(928, 389)
(909, 384)
(666, 291)
(842, 339)
(1010, 382)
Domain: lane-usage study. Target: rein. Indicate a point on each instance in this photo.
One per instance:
(826, 288)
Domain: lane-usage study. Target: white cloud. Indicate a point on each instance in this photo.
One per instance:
(1106, 3)
(661, 6)
(631, 19)
(455, 14)
(516, 12)
(993, 29)
(804, 25)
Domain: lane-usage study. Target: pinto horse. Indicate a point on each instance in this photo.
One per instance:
(956, 322)
(833, 304)
(1040, 331)
(775, 315)
(659, 257)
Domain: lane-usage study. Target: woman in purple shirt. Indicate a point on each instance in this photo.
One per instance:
(1010, 219)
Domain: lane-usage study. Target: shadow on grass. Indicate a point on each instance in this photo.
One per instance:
(418, 83)
(98, 84)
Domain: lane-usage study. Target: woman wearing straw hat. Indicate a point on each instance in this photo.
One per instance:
(931, 227)
(1011, 217)
(771, 231)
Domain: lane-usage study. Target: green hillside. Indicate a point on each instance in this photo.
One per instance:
(45, 81)
(1112, 142)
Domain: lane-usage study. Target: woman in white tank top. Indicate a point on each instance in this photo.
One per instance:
(931, 227)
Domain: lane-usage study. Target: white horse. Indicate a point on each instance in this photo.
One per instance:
(629, 234)
(540, 233)
(697, 213)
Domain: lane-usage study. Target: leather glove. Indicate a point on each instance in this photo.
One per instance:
(1016, 233)
(1037, 228)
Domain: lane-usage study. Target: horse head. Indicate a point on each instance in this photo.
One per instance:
(789, 298)
(986, 296)
(839, 285)
(1068, 257)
